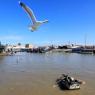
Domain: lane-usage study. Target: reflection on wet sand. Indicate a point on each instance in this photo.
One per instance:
(35, 74)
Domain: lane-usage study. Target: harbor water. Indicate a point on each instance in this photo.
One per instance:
(35, 74)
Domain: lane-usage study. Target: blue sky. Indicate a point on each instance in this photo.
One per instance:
(70, 21)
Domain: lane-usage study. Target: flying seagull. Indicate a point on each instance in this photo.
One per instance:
(35, 23)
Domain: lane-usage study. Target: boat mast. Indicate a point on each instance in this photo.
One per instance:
(85, 40)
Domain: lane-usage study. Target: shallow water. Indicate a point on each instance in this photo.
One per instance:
(35, 74)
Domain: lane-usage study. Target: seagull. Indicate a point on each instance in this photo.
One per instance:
(35, 23)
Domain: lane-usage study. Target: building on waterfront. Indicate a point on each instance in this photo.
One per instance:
(2, 48)
(29, 46)
(18, 47)
(14, 48)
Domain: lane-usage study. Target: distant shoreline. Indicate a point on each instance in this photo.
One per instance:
(4, 54)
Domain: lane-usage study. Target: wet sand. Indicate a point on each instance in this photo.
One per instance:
(35, 74)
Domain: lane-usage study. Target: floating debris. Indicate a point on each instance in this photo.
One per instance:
(66, 82)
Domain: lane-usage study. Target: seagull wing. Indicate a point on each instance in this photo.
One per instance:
(28, 11)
